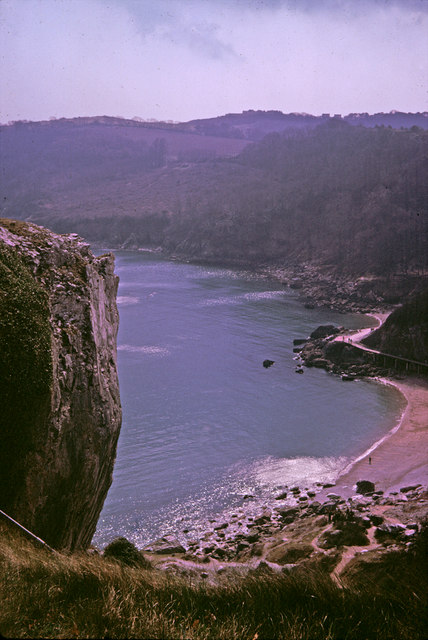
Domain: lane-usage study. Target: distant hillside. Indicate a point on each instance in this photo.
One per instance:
(350, 198)
(254, 125)
(405, 331)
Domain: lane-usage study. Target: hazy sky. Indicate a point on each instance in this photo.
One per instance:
(183, 59)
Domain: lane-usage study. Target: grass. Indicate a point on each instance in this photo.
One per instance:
(82, 596)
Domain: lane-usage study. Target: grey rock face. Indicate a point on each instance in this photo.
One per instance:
(66, 463)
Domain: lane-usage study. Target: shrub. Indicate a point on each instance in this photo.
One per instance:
(127, 553)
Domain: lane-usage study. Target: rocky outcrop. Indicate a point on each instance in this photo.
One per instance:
(323, 331)
(341, 358)
(61, 413)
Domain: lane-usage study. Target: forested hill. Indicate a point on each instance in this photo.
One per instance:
(349, 198)
(254, 125)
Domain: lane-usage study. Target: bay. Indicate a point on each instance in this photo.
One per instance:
(205, 425)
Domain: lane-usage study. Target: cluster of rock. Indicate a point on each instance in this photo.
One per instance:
(300, 530)
(332, 291)
(66, 454)
(339, 357)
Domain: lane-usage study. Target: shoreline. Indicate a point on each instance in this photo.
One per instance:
(382, 463)
(400, 457)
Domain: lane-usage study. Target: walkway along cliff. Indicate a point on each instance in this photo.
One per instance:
(60, 407)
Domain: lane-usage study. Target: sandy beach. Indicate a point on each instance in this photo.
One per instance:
(401, 457)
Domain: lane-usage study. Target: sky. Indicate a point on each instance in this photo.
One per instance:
(185, 59)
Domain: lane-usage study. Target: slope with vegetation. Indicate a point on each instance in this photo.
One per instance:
(405, 331)
(350, 198)
(81, 596)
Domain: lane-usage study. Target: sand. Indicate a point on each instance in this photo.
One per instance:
(401, 458)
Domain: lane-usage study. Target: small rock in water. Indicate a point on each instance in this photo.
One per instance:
(281, 496)
(268, 363)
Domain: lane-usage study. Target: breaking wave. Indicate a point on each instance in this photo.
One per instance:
(245, 297)
(125, 301)
(146, 349)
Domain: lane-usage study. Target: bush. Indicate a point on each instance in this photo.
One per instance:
(127, 553)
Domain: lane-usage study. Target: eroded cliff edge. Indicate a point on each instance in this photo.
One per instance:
(60, 406)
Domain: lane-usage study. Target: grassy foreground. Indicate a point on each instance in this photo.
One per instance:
(83, 596)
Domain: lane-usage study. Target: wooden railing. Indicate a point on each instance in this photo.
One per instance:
(388, 359)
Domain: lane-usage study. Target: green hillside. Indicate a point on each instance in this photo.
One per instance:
(347, 197)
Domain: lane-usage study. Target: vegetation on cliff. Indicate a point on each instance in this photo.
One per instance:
(61, 413)
(405, 332)
(77, 596)
(25, 366)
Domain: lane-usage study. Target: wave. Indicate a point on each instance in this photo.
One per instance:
(124, 301)
(247, 297)
(146, 349)
(245, 488)
(304, 471)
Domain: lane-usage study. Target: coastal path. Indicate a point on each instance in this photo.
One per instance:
(381, 358)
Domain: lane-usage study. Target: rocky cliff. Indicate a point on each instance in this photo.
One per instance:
(60, 408)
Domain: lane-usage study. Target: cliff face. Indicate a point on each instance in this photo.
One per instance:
(60, 407)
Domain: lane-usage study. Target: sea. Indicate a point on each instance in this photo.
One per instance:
(207, 429)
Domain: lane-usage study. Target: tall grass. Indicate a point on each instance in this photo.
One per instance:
(81, 596)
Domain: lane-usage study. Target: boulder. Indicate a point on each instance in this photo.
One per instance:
(410, 488)
(365, 486)
(323, 331)
(281, 496)
(328, 507)
(253, 537)
(313, 507)
(263, 518)
(166, 545)
(290, 512)
(333, 496)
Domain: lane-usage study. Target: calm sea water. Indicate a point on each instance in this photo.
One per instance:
(204, 424)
